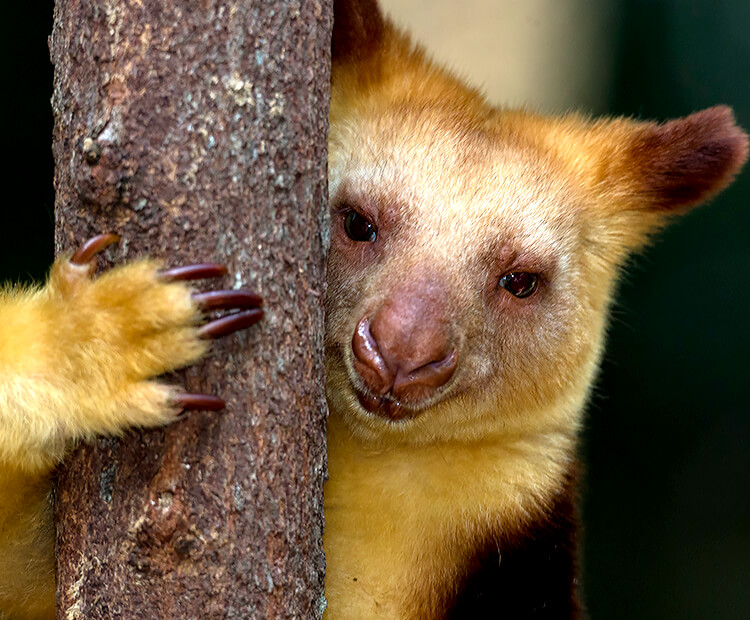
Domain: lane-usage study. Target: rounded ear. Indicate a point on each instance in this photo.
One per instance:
(637, 174)
(686, 161)
(663, 168)
(358, 30)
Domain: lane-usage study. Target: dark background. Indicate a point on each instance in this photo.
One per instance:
(26, 232)
(667, 505)
(668, 495)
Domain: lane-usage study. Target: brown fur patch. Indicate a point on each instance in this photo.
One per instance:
(530, 572)
(358, 29)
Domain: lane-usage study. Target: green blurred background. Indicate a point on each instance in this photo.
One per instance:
(668, 498)
(667, 493)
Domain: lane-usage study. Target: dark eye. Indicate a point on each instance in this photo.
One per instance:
(359, 228)
(519, 283)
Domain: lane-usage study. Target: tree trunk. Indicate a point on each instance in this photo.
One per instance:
(197, 131)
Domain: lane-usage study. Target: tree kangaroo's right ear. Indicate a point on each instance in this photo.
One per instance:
(358, 28)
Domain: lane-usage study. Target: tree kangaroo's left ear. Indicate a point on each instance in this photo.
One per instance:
(684, 162)
(636, 174)
(665, 168)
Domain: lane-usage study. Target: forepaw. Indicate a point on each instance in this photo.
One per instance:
(132, 323)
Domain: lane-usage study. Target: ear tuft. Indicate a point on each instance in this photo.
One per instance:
(358, 29)
(686, 161)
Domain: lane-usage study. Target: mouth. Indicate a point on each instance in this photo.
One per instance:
(385, 407)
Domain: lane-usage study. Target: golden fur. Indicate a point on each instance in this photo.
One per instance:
(76, 359)
(461, 193)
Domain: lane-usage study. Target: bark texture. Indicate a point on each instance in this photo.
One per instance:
(197, 131)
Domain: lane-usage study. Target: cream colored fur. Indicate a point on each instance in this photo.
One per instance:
(462, 193)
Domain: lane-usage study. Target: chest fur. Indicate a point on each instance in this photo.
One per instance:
(405, 526)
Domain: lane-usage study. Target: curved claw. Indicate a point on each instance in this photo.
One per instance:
(230, 323)
(193, 272)
(206, 402)
(92, 247)
(223, 300)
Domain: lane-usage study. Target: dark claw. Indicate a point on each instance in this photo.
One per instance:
(222, 300)
(193, 272)
(92, 247)
(205, 402)
(230, 323)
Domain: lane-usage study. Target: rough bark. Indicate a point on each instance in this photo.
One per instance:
(197, 131)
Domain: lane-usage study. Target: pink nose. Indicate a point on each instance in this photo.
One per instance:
(404, 353)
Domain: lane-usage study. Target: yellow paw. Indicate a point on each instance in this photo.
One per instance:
(118, 331)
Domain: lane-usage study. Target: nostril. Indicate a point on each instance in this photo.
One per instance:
(443, 369)
(424, 380)
(363, 343)
(368, 362)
